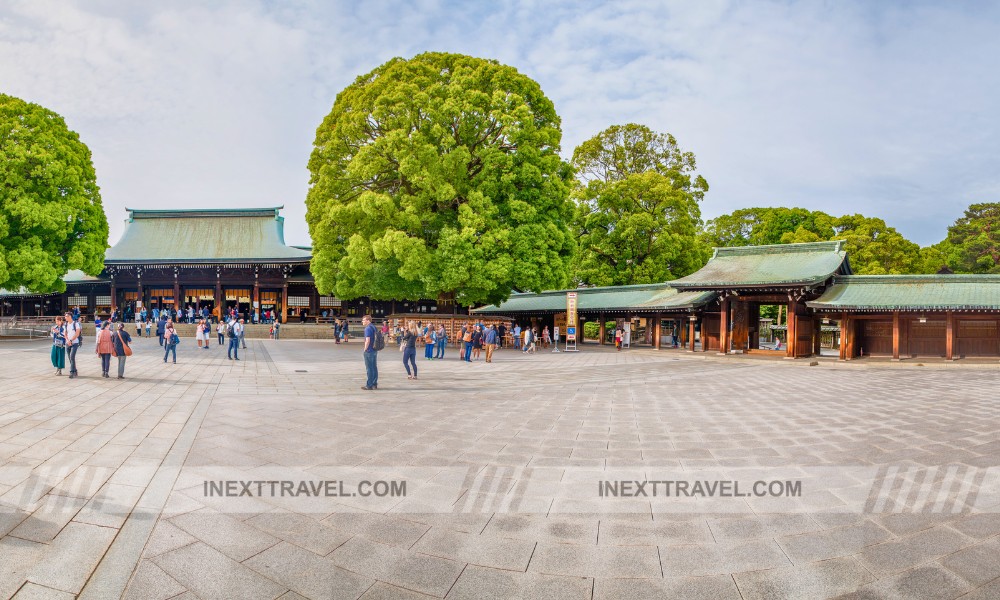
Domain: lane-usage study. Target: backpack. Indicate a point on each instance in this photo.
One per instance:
(378, 342)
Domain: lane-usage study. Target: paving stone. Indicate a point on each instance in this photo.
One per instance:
(384, 529)
(895, 556)
(209, 574)
(654, 533)
(930, 582)
(712, 559)
(562, 529)
(714, 587)
(149, 582)
(301, 530)
(49, 518)
(166, 537)
(31, 591)
(226, 534)
(590, 561)
(308, 574)
(824, 579)
(478, 582)
(978, 564)
(410, 570)
(492, 552)
(384, 591)
(72, 556)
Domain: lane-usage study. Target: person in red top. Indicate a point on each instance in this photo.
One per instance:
(104, 347)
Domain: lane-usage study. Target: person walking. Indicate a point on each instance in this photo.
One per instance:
(160, 328)
(371, 354)
(618, 338)
(517, 336)
(104, 347)
(491, 342)
(120, 341)
(220, 330)
(149, 327)
(545, 337)
(441, 343)
(467, 345)
(477, 342)
(277, 330)
(233, 331)
(243, 332)
(73, 332)
(501, 331)
(58, 354)
(409, 345)
(430, 338)
(170, 340)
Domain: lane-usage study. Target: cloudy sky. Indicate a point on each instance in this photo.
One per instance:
(883, 108)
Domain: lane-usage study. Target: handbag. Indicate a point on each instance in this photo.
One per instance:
(125, 348)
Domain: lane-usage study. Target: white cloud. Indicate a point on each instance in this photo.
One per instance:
(876, 108)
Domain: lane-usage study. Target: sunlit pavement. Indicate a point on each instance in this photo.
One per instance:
(509, 470)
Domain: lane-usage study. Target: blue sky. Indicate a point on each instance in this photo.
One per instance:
(881, 108)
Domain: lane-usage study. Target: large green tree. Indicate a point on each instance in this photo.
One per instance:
(973, 243)
(637, 217)
(874, 248)
(440, 176)
(51, 218)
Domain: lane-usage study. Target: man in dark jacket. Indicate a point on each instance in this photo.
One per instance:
(160, 325)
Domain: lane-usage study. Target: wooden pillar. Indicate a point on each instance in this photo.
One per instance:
(656, 331)
(177, 293)
(220, 300)
(601, 332)
(284, 302)
(843, 336)
(949, 344)
(255, 307)
(691, 325)
(895, 335)
(724, 327)
(114, 299)
(817, 335)
(791, 330)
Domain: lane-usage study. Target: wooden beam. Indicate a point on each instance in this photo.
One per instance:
(656, 331)
(949, 344)
(724, 327)
(601, 332)
(843, 336)
(691, 326)
(895, 335)
(791, 331)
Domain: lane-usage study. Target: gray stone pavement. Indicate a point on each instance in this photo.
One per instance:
(103, 487)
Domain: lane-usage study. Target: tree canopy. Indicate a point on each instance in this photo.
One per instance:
(874, 248)
(973, 242)
(439, 175)
(51, 218)
(637, 217)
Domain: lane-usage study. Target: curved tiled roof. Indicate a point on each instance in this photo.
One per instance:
(774, 265)
(637, 298)
(216, 235)
(911, 293)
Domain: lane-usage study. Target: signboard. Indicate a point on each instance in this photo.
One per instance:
(571, 322)
(570, 316)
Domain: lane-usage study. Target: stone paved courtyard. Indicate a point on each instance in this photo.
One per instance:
(103, 482)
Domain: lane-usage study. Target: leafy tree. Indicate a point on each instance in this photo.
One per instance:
(935, 258)
(51, 218)
(767, 225)
(974, 240)
(874, 248)
(637, 218)
(439, 175)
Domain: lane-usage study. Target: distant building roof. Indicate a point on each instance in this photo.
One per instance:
(774, 265)
(204, 236)
(910, 293)
(625, 298)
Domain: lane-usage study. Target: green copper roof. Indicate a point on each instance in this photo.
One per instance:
(911, 292)
(763, 266)
(627, 298)
(207, 235)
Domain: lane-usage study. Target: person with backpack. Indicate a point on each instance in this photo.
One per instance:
(374, 341)
(170, 340)
(73, 332)
(430, 337)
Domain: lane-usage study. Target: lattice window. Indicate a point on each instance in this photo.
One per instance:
(329, 301)
(103, 300)
(77, 300)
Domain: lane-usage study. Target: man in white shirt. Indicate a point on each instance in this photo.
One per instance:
(73, 331)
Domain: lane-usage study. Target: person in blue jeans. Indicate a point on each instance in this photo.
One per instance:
(442, 341)
(168, 340)
(371, 355)
(467, 357)
(234, 330)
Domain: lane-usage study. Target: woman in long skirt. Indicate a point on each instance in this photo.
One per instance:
(58, 333)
